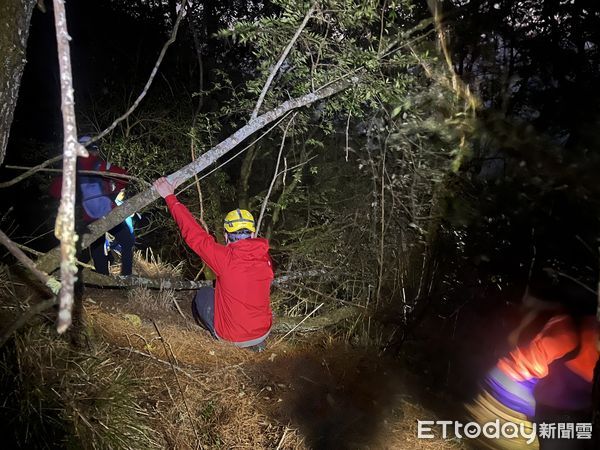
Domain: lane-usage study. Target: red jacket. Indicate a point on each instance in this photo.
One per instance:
(559, 337)
(554, 370)
(92, 162)
(244, 274)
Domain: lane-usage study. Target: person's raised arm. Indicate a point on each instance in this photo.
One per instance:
(531, 361)
(205, 246)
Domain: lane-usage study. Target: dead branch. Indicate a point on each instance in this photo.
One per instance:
(92, 278)
(163, 51)
(298, 324)
(196, 179)
(65, 220)
(49, 262)
(52, 283)
(103, 174)
(266, 200)
(30, 172)
(286, 51)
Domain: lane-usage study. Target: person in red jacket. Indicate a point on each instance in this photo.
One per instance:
(238, 308)
(96, 194)
(545, 380)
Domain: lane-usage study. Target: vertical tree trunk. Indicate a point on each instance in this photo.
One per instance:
(15, 16)
(245, 172)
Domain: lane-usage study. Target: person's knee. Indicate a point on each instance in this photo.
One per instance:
(204, 294)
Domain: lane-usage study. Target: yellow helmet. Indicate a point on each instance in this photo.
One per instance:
(239, 219)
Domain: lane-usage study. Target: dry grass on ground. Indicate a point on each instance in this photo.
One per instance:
(147, 366)
(317, 395)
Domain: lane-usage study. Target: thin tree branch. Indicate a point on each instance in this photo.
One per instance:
(52, 283)
(276, 174)
(30, 172)
(65, 220)
(297, 325)
(138, 100)
(569, 277)
(284, 55)
(196, 179)
(103, 174)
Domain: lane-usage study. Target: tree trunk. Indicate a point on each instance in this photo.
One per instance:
(50, 261)
(245, 172)
(16, 15)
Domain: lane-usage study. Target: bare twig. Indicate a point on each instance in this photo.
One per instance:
(28, 250)
(347, 135)
(52, 283)
(281, 441)
(30, 172)
(179, 308)
(284, 55)
(104, 174)
(266, 200)
(196, 179)
(163, 51)
(301, 322)
(162, 361)
(531, 265)
(97, 279)
(569, 277)
(382, 230)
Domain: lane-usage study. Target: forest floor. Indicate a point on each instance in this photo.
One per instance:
(302, 392)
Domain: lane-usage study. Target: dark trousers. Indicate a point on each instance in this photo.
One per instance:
(203, 308)
(124, 237)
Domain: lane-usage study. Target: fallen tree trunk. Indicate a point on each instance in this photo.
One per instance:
(96, 279)
(51, 260)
